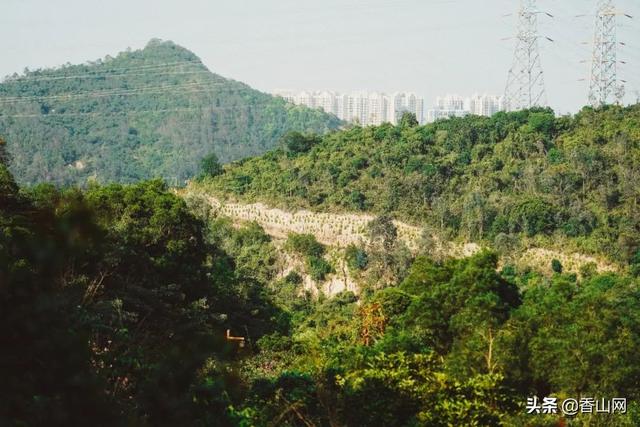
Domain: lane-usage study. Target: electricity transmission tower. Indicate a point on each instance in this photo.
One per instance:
(525, 84)
(604, 87)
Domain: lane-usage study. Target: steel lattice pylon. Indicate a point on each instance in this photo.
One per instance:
(603, 87)
(525, 84)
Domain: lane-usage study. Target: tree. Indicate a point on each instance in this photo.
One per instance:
(67, 147)
(635, 264)
(458, 301)
(114, 306)
(4, 156)
(297, 143)
(312, 251)
(408, 120)
(357, 258)
(318, 268)
(542, 122)
(305, 244)
(533, 216)
(210, 166)
(585, 348)
(383, 232)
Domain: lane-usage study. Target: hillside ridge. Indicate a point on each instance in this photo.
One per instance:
(513, 181)
(153, 112)
(340, 230)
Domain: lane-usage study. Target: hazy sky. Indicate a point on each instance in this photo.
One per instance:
(430, 47)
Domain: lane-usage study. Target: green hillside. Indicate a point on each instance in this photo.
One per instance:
(500, 180)
(154, 112)
(116, 303)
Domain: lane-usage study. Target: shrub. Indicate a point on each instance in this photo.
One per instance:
(305, 245)
(357, 258)
(318, 268)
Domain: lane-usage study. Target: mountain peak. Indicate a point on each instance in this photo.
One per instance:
(158, 50)
(144, 113)
(168, 47)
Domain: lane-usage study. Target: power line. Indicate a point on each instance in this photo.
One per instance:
(525, 82)
(115, 92)
(106, 76)
(134, 112)
(604, 86)
(94, 73)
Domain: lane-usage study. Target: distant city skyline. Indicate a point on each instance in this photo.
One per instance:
(429, 47)
(459, 106)
(363, 107)
(374, 108)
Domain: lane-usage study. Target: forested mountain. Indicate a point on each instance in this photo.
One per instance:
(114, 306)
(115, 303)
(154, 112)
(504, 180)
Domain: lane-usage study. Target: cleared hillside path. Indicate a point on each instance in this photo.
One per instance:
(338, 230)
(341, 230)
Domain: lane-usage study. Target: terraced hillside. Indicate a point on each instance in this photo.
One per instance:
(342, 230)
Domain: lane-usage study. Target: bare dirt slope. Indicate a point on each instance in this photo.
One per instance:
(340, 230)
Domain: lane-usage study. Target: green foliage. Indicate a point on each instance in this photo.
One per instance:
(456, 295)
(251, 248)
(635, 264)
(289, 400)
(293, 278)
(394, 302)
(305, 245)
(533, 217)
(556, 266)
(296, 143)
(382, 230)
(521, 174)
(116, 289)
(154, 112)
(210, 166)
(410, 390)
(542, 122)
(408, 120)
(125, 289)
(318, 268)
(356, 258)
(585, 348)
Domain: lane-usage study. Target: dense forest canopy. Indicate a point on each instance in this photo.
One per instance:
(142, 114)
(114, 306)
(114, 302)
(125, 304)
(571, 181)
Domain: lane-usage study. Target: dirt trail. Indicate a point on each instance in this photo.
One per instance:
(340, 230)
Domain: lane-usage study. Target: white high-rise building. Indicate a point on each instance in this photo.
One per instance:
(365, 108)
(486, 105)
(457, 106)
(450, 102)
(306, 98)
(377, 113)
(446, 107)
(327, 102)
(400, 103)
(343, 109)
